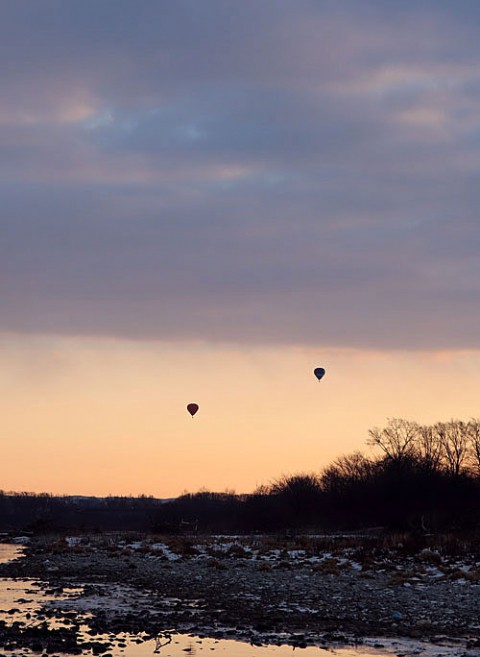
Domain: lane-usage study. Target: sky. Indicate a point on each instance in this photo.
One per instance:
(204, 201)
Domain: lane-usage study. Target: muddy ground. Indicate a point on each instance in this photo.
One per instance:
(263, 590)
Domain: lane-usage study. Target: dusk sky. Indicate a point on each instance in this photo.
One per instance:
(203, 200)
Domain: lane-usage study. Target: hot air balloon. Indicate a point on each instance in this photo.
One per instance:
(319, 372)
(192, 409)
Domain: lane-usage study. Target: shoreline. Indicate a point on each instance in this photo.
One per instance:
(241, 589)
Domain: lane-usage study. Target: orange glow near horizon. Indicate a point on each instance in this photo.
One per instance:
(99, 417)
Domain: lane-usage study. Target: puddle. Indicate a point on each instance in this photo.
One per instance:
(178, 645)
(22, 600)
(8, 552)
(25, 612)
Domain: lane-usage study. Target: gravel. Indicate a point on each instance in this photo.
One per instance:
(276, 597)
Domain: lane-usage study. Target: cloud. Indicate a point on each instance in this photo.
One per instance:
(275, 172)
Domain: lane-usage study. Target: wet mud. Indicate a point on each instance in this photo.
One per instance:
(233, 590)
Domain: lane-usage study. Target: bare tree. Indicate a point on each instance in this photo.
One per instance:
(473, 429)
(355, 467)
(429, 447)
(397, 439)
(346, 470)
(297, 484)
(453, 437)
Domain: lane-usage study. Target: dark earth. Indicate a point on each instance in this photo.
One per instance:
(247, 590)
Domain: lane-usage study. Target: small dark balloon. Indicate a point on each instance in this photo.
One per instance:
(319, 372)
(192, 409)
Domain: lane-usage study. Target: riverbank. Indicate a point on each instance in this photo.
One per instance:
(304, 591)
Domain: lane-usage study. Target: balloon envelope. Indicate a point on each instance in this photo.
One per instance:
(192, 409)
(319, 372)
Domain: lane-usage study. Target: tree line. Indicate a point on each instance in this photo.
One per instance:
(423, 478)
(45, 513)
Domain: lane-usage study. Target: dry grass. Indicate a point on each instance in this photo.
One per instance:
(182, 546)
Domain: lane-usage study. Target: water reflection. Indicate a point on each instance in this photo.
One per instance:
(179, 645)
(24, 607)
(9, 552)
(162, 640)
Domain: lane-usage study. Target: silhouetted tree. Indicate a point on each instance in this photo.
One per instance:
(473, 429)
(397, 439)
(428, 448)
(423, 478)
(453, 437)
(300, 497)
